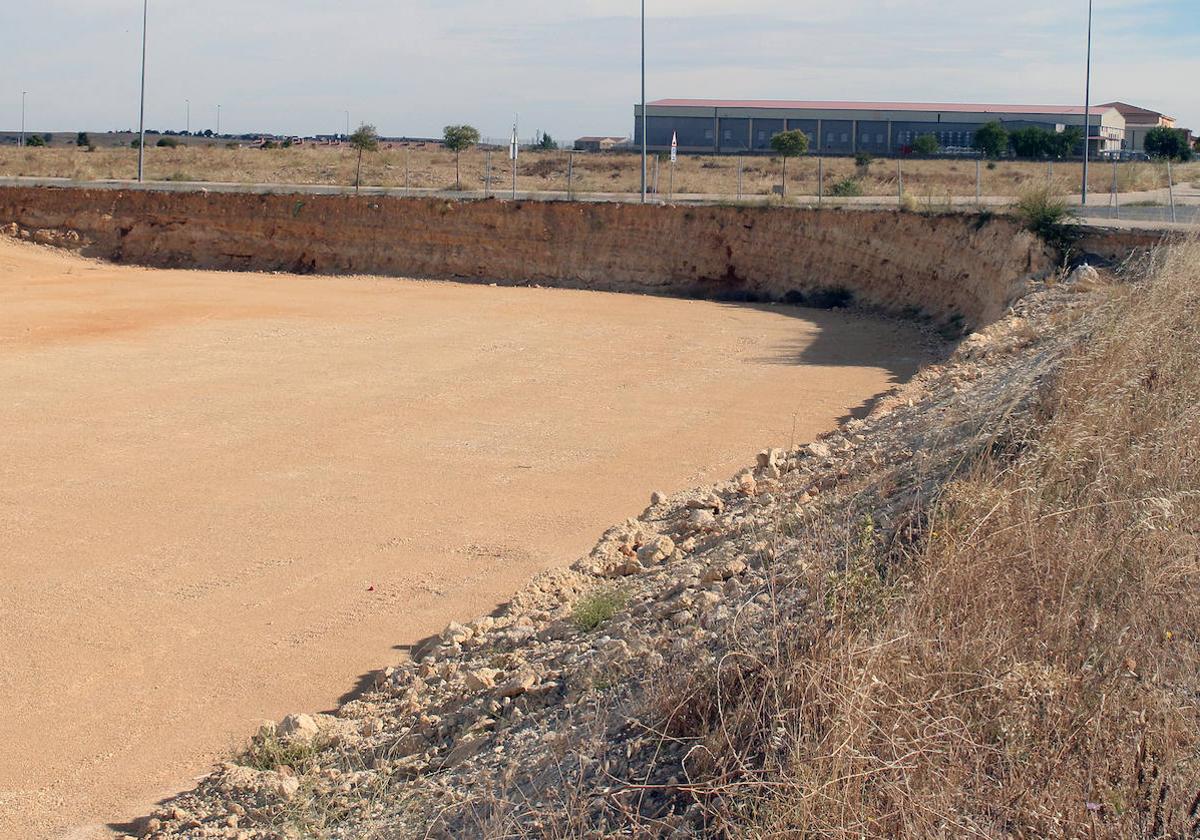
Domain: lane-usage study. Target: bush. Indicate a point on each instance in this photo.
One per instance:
(1047, 215)
(34, 140)
(597, 608)
(926, 144)
(863, 160)
(846, 188)
(82, 139)
(167, 143)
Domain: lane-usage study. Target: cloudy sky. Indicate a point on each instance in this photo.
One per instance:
(569, 67)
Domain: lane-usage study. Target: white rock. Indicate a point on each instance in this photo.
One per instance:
(656, 551)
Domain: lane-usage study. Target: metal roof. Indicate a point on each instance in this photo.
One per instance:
(949, 108)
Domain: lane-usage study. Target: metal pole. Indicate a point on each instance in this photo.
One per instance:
(21, 142)
(739, 179)
(142, 113)
(347, 124)
(645, 167)
(671, 183)
(187, 129)
(516, 153)
(570, 176)
(820, 181)
(1115, 196)
(218, 120)
(1171, 189)
(406, 171)
(900, 177)
(978, 182)
(1087, 110)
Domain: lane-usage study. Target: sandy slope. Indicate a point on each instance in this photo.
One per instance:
(226, 497)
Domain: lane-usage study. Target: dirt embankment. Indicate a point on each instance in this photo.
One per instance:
(950, 268)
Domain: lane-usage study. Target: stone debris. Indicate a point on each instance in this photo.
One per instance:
(513, 713)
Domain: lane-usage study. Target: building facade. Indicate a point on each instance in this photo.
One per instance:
(709, 126)
(1138, 121)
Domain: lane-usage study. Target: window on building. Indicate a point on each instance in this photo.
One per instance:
(708, 134)
(845, 137)
(879, 139)
(728, 134)
(762, 135)
(829, 137)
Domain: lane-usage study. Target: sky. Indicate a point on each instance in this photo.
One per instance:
(569, 67)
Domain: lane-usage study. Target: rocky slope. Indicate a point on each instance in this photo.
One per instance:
(575, 710)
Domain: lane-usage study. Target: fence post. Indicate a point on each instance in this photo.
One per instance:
(570, 176)
(1116, 194)
(1049, 171)
(406, 172)
(656, 168)
(900, 181)
(978, 182)
(487, 175)
(1171, 188)
(739, 179)
(820, 181)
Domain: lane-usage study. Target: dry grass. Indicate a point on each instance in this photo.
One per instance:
(926, 181)
(1028, 664)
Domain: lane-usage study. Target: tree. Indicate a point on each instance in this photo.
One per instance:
(926, 144)
(82, 139)
(167, 143)
(1065, 143)
(35, 140)
(459, 138)
(1030, 142)
(547, 143)
(789, 144)
(1163, 142)
(365, 139)
(991, 140)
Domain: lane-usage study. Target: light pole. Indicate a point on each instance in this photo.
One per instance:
(187, 119)
(218, 120)
(347, 135)
(21, 142)
(1087, 111)
(644, 164)
(142, 110)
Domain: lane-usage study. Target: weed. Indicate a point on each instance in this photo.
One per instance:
(1047, 215)
(268, 751)
(598, 607)
(846, 188)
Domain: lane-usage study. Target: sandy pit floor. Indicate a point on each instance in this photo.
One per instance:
(226, 497)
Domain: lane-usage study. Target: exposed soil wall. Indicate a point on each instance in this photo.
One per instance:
(948, 267)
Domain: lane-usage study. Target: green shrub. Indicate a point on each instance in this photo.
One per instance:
(926, 144)
(596, 608)
(1047, 215)
(167, 143)
(846, 188)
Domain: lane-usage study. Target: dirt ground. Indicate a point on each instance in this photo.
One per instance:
(227, 497)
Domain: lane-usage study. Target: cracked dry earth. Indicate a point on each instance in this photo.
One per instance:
(531, 722)
(226, 497)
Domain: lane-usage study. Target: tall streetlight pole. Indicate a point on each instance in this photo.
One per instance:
(142, 114)
(645, 165)
(187, 119)
(347, 124)
(1087, 110)
(218, 120)
(21, 142)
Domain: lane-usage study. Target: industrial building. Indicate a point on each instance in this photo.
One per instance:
(712, 126)
(1139, 121)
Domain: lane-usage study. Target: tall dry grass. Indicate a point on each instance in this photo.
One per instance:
(1028, 663)
(929, 181)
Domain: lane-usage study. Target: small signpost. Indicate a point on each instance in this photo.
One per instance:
(513, 151)
(674, 157)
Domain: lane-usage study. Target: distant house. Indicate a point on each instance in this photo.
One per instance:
(1139, 121)
(599, 144)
